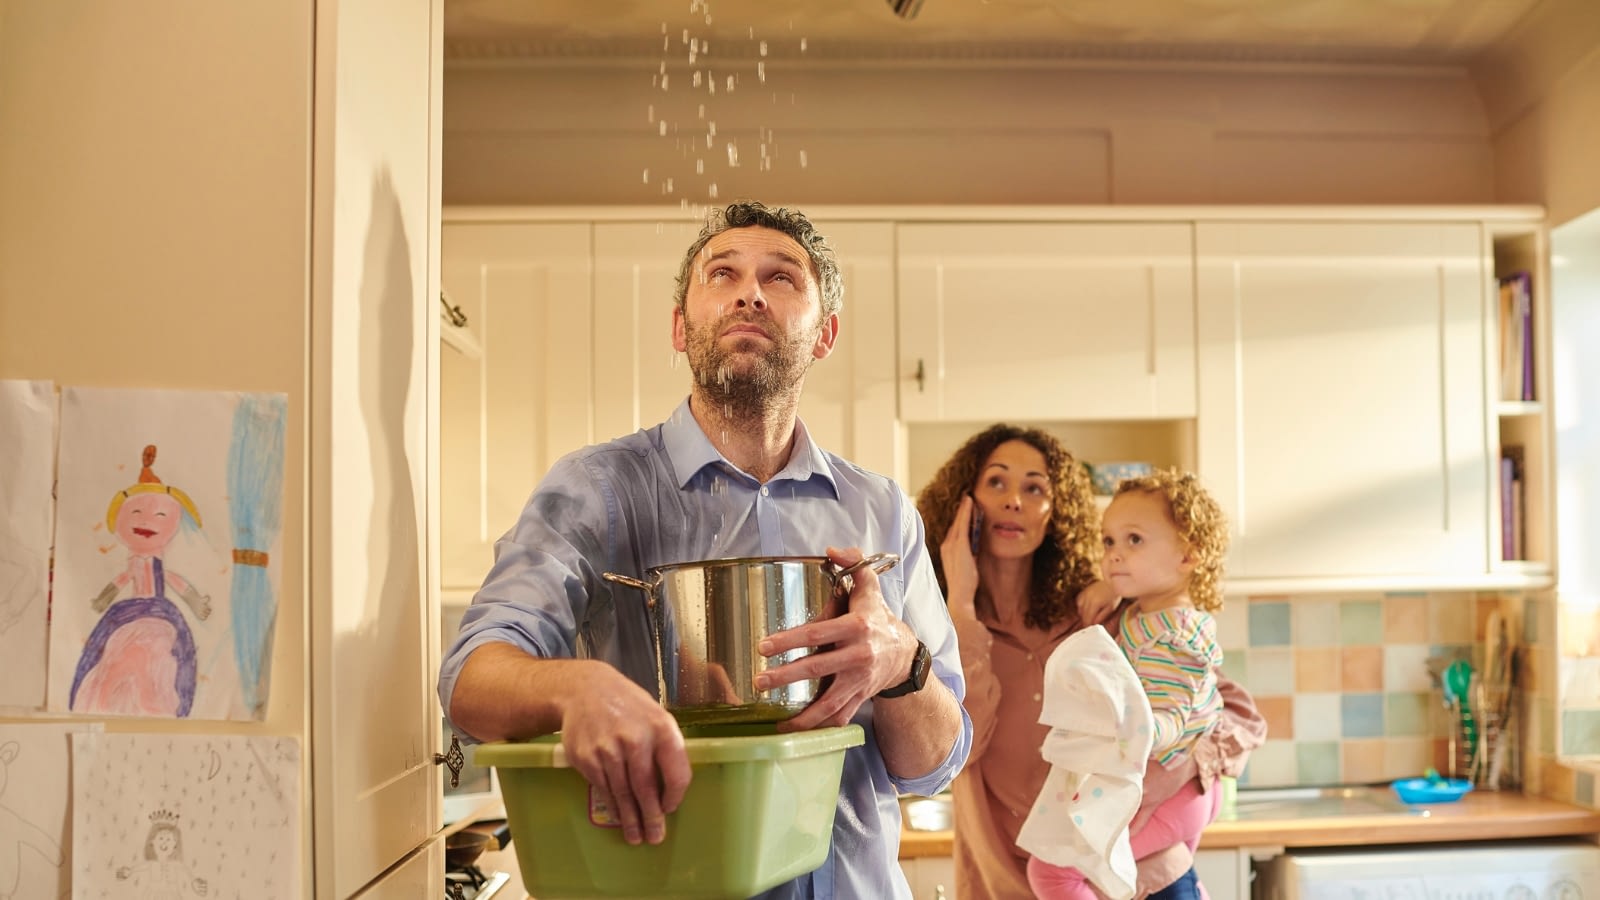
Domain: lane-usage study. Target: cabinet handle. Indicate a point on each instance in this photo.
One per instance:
(921, 376)
(453, 760)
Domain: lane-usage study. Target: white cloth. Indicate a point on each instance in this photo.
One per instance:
(1099, 741)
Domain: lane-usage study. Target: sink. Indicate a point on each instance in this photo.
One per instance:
(1317, 803)
(936, 813)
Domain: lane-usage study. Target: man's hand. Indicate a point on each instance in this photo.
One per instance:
(629, 749)
(866, 649)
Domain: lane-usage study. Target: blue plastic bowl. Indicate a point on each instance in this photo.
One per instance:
(1421, 790)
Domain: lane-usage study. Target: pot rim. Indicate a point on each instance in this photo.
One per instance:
(736, 561)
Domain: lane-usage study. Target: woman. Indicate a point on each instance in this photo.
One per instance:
(1013, 585)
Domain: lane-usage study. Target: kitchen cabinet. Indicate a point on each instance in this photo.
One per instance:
(1046, 321)
(931, 877)
(1342, 412)
(1224, 873)
(510, 411)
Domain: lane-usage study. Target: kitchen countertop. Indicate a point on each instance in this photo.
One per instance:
(1480, 815)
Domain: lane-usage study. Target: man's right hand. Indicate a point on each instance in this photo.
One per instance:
(630, 750)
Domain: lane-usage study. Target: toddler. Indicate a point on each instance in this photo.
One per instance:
(1165, 539)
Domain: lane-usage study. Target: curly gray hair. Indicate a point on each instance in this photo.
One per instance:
(792, 222)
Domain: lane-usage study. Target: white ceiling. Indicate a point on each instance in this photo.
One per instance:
(1450, 32)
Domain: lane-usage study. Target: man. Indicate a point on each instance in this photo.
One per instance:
(549, 646)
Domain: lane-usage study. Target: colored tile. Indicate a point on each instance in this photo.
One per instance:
(1316, 622)
(1316, 668)
(1546, 715)
(1271, 765)
(1317, 762)
(1233, 624)
(1360, 622)
(1361, 668)
(1580, 683)
(1409, 715)
(1405, 667)
(1405, 619)
(1361, 715)
(1580, 732)
(1584, 791)
(1279, 713)
(1236, 665)
(1269, 623)
(1446, 622)
(1408, 757)
(1271, 672)
(1362, 762)
(1316, 717)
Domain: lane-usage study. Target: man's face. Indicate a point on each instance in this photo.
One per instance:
(751, 323)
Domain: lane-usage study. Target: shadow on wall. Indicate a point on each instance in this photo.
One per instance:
(385, 376)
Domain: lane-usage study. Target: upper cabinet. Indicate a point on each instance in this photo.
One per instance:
(1342, 405)
(1046, 321)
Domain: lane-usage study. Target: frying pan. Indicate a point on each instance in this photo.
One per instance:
(462, 848)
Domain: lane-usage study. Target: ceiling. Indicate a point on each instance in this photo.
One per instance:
(1411, 32)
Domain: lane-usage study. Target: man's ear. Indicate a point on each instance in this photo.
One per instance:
(825, 338)
(680, 338)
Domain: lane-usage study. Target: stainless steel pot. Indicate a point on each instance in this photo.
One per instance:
(707, 617)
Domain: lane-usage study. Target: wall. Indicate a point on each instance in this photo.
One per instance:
(585, 132)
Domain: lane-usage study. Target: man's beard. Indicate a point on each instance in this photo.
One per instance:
(748, 385)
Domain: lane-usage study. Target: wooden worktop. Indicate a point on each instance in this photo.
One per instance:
(1480, 815)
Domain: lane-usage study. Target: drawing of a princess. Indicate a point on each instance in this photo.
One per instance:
(140, 658)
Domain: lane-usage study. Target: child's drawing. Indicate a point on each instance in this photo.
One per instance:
(161, 874)
(159, 610)
(34, 792)
(27, 482)
(139, 659)
(180, 816)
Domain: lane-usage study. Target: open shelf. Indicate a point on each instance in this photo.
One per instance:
(1521, 426)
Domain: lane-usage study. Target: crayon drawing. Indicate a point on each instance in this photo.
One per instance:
(185, 816)
(166, 535)
(27, 479)
(35, 790)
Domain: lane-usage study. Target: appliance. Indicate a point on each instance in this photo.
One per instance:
(1544, 869)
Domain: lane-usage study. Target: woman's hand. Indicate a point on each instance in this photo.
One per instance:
(1097, 603)
(960, 567)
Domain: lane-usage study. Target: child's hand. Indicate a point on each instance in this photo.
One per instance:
(1097, 603)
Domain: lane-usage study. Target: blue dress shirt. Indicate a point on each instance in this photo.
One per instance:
(665, 495)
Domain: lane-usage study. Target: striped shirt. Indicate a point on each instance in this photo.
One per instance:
(1175, 653)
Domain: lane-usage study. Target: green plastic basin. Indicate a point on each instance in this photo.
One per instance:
(758, 812)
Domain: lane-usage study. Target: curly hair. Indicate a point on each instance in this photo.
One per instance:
(792, 222)
(1069, 558)
(1201, 526)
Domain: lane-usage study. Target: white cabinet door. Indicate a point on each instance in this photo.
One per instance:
(507, 415)
(848, 403)
(1342, 406)
(1224, 873)
(1043, 321)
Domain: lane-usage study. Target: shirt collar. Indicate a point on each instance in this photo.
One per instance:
(691, 451)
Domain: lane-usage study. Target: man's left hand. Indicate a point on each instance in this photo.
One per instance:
(866, 649)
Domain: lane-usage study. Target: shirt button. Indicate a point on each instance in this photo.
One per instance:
(1030, 657)
(1036, 698)
(763, 491)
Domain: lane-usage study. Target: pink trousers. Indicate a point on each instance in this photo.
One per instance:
(1179, 820)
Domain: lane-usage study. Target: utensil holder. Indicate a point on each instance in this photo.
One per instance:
(1486, 751)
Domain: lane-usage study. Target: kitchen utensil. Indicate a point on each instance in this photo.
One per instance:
(759, 811)
(1458, 678)
(462, 848)
(1422, 790)
(708, 617)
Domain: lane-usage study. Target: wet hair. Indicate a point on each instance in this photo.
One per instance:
(1068, 560)
(1201, 526)
(792, 222)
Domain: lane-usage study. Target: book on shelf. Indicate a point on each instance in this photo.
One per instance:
(1516, 336)
(1512, 514)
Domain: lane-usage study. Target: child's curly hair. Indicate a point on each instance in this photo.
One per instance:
(1069, 558)
(1201, 526)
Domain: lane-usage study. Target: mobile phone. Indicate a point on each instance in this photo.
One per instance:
(975, 529)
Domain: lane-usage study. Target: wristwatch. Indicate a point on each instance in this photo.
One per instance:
(920, 664)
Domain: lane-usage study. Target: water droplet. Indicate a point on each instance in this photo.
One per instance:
(700, 165)
(646, 176)
(666, 42)
(763, 48)
(730, 84)
(663, 127)
(663, 82)
(733, 155)
(697, 77)
(802, 45)
(761, 71)
(712, 125)
(651, 113)
(802, 159)
(712, 86)
(713, 190)
(669, 185)
(702, 110)
(686, 35)
(655, 80)
(663, 69)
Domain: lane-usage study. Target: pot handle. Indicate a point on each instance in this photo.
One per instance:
(649, 589)
(880, 563)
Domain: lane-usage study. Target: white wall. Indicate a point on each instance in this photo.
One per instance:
(581, 133)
